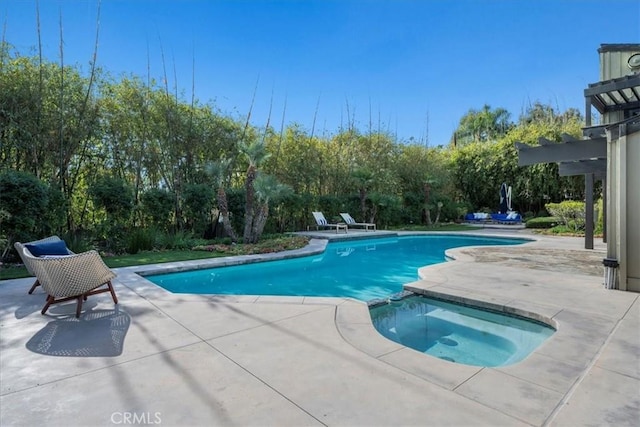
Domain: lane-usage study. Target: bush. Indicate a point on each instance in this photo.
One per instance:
(78, 241)
(158, 205)
(114, 195)
(140, 239)
(24, 201)
(570, 213)
(197, 203)
(543, 222)
(180, 240)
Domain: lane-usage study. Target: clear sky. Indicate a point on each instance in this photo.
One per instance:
(414, 67)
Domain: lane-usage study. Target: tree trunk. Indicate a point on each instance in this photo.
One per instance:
(249, 213)
(259, 222)
(427, 193)
(438, 212)
(224, 212)
(363, 199)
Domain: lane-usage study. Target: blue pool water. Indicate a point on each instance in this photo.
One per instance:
(459, 333)
(360, 269)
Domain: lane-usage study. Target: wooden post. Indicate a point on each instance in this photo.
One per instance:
(588, 217)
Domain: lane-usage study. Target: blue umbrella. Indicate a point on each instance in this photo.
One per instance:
(503, 198)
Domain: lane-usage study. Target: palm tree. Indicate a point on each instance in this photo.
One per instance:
(364, 180)
(219, 171)
(426, 188)
(482, 125)
(256, 153)
(267, 189)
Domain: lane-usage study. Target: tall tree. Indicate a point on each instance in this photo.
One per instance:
(255, 153)
(219, 171)
(482, 125)
(267, 190)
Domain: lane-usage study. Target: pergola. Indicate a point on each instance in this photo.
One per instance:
(588, 156)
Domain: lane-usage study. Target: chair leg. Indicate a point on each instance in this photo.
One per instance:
(50, 299)
(113, 292)
(79, 308)
(35, 285)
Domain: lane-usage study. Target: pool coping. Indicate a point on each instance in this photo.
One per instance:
(587, 372)
(380, 347)
(572, 330)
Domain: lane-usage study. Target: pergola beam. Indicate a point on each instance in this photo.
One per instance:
(597, 167)
(618, 84)
(599, 93)
(562, 152)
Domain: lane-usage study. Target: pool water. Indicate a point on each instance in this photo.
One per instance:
(361, 269)
(459, 333)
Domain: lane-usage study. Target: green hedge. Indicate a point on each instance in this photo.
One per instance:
(543, 222)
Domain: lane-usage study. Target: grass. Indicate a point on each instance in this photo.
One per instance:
(9, 271)
(270, 244)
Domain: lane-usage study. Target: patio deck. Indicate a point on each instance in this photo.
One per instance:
(162, 358)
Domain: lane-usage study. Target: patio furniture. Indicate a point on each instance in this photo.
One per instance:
(352, 222)
(321, 221)
(477, 217)
(507, 218)
(51, 244)
(70, 277)
(494, 218)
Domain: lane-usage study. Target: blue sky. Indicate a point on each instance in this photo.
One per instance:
(412, 66)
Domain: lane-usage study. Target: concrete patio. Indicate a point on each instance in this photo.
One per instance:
(201, 360)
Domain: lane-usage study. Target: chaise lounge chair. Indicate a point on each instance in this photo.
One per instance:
(53, 244)
(352, 222)
(321, 221)
(69, 277)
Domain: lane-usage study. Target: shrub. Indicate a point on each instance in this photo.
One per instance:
(197, 202)
(140, 239)
(179, 240)
(570, 213)
(78, 241)
(543, 222)
(158, 205)
(23, 200)
(114, 195)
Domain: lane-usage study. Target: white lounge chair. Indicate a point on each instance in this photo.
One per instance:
(352, 222)
(70, 277)
(321, 221)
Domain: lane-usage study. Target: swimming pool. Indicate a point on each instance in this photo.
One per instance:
(362, 269)
(459, 333)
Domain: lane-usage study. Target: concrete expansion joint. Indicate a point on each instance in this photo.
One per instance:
(581, 377)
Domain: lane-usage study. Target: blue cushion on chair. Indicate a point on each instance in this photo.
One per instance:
(57, 247)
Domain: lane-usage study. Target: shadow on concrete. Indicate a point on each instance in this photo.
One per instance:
(98, 333)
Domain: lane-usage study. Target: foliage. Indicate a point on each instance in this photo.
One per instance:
(23, 201)
(140, 239)
(543, 222)
(201, 250)
(571, 213)
(198, 201)
(276, 244)
(120, 153)
(480, 168)
(113, 195)
(482, 125)
(179, 240)
(157, 206)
